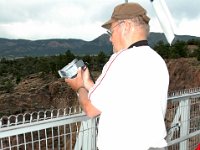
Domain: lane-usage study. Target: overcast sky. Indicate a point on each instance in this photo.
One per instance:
(82, 19)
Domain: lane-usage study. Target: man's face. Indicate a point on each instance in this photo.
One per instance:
(117, 36)
(115, 33)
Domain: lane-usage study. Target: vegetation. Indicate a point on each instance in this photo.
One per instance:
(179, 49)
(13, 71)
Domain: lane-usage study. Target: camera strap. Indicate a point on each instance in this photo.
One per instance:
(139, 43)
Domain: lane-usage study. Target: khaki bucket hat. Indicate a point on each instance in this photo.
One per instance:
(126, 11)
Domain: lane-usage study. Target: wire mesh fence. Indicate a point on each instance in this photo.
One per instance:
(183, 120)
(48, 130)
(69, 128)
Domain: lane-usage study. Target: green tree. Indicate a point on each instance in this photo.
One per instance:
(87, 59)
(53, 67)
(162, 49)
(193, 42)
(198, 54)
(101, 59)
(69, 56)
(18, 78)
(179, 49)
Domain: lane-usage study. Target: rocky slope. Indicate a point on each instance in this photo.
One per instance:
(184, 73)
(39, 92)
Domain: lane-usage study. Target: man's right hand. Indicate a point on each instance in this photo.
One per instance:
(88, 83)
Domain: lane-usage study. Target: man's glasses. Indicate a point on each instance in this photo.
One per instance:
(110, 32)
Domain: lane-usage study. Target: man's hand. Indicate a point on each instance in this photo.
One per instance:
(76, 82)
(88, 83)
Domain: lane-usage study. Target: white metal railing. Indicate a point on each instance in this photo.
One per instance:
(70, 129)
(50, 129)
(183, 119)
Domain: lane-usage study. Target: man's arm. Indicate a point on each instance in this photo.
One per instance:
(88, 108)
(81, 84)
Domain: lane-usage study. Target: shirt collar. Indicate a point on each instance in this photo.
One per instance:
(139, 43)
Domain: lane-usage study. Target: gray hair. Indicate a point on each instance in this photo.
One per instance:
(140, 22)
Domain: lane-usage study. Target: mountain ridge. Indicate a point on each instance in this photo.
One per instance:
(47, 47)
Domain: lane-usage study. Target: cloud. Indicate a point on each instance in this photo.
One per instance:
(19, 10)
(41, 19)
(192, 25)
(37, 19)
(184, 8)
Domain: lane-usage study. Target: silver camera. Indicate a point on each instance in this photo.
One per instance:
(70, 70)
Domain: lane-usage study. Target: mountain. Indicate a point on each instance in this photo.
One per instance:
(21, 47)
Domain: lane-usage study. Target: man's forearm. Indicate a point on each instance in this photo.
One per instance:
(86, 104)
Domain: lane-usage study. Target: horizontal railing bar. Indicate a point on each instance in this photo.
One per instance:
(181, 139)
(184, 96)
(35, 126)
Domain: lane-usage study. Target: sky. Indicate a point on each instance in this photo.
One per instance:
(82, 19)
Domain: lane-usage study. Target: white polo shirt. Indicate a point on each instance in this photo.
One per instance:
(131, 93)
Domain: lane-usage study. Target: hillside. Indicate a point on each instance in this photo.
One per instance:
(184, 73)
(39, 92)
(19, 48)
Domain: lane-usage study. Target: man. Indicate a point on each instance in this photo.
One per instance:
(131, 92)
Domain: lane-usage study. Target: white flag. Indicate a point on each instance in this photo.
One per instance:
(164, 18)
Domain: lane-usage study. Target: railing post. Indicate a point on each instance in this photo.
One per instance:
(86, 139)
(185, 119)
